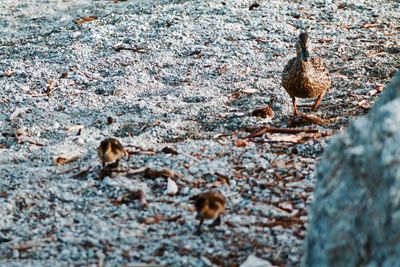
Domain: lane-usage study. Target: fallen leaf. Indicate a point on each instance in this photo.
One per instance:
(240, 143)
(265, 112)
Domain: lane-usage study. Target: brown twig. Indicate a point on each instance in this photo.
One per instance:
(259, 131)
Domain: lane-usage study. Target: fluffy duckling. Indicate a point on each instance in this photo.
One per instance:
(209, 206)
(305, 76)
(110, 150)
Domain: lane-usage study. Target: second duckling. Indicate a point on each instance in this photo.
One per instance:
(209, 206)
(110, 150)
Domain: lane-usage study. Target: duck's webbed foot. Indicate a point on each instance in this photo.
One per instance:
(198, 231)
(216, 222)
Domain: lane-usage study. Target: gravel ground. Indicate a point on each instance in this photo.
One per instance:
(180, 74)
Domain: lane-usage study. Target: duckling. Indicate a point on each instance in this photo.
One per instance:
(305, 76)
(110, 150)
(209, 206)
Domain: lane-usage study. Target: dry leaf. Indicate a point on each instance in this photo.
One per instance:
(240, 143)
(84, 19)
(66, 158)
(265, 112)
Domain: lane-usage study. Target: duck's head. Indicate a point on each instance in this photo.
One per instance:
(303, 46)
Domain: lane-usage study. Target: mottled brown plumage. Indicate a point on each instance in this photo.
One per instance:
(305, 76)
(209, 206)
(110, 150)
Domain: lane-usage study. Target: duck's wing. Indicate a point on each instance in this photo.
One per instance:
(288, 71)
(321, 71)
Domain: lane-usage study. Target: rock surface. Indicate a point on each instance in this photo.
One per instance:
(355, 216)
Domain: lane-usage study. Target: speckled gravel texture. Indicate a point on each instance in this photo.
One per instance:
(182, 74)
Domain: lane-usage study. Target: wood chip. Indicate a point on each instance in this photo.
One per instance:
(66, 158)
(84, 20)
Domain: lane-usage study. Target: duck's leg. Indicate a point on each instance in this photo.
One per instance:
(295, 111)
(316, 104)
(114, 165)
(216, 222)
(198, 231)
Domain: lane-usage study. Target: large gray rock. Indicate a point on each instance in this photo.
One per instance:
(355, 216)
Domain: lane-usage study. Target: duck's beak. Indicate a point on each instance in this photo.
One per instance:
(304, 55)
